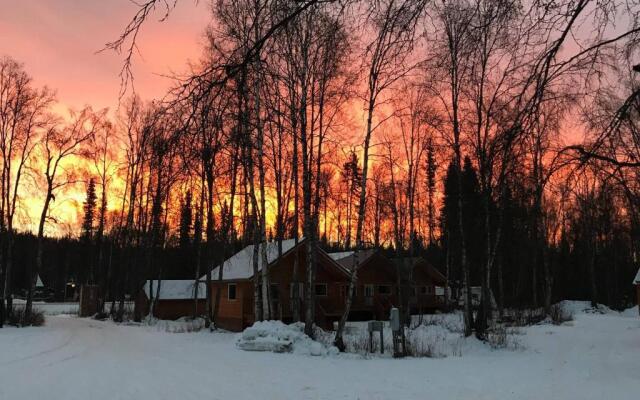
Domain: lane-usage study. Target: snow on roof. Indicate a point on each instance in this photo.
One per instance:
(240, 265)
(340, 255)
(636, 280)
(176, 289)
(348, 261)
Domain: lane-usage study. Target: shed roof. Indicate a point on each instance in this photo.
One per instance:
(175, 289)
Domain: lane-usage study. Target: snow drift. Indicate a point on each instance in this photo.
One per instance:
(277, 337)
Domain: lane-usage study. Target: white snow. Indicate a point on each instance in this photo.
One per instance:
(278, 337)
(175, 289)
(240, 265)
(340, 255)
(594, 357)
(39, 283)
(636, 280)
(50, 308)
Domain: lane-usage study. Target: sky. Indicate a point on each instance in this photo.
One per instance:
(58, 42)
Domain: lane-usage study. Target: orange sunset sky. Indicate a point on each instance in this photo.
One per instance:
(59, 42)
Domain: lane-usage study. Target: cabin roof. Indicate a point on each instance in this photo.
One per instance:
(636, 280)
(346, 259)
(340, 255)
(175, 289)
(240, 265)
(413, 262)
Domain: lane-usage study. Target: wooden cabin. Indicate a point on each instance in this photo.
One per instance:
(423, 282)
(636, 282)
(236, 307)
(377, 288)
(175, 298)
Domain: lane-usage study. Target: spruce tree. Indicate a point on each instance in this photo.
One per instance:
(89, 211)
(186, 214)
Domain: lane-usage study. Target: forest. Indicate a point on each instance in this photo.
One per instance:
(498, 139)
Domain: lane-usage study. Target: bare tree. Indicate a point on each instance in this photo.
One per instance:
(23, 114)
(58, 145)
(386, 58)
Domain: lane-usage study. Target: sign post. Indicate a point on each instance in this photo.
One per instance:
(398, 333)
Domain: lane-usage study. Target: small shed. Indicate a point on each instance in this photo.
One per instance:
(174, 298)
(636, 282)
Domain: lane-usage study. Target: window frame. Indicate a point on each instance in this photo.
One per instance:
(271, 291)
(372, 290)
(387, 293)
(326, 289)
(235, 291)
(300, 290)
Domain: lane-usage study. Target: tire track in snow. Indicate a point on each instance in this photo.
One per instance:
(61, 346)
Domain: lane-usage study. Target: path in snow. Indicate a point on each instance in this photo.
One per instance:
(73, 358)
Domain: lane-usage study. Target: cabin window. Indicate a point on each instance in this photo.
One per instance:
(275, 291)
(344, 290)
(321, 289)
(231, 291)
(300, 290)
(384, 290)
(368, 290)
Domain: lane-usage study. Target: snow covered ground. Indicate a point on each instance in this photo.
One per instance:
(596, 356)
(50, 308)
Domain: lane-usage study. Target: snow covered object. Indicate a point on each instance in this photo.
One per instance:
(277, 337)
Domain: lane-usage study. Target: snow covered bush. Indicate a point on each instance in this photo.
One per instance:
(501, 337)
(277, 337)
(523, 317)
(560, 314)
(18, 317)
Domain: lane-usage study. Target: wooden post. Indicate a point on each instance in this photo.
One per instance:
(370, 341)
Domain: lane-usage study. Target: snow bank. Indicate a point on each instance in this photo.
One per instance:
(277, 337)
(181, 325)
(631, 312)
(50, 308)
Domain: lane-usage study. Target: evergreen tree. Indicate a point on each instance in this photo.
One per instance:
(431, 168)
(186, 214)
(471, 215)
(89, 211)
